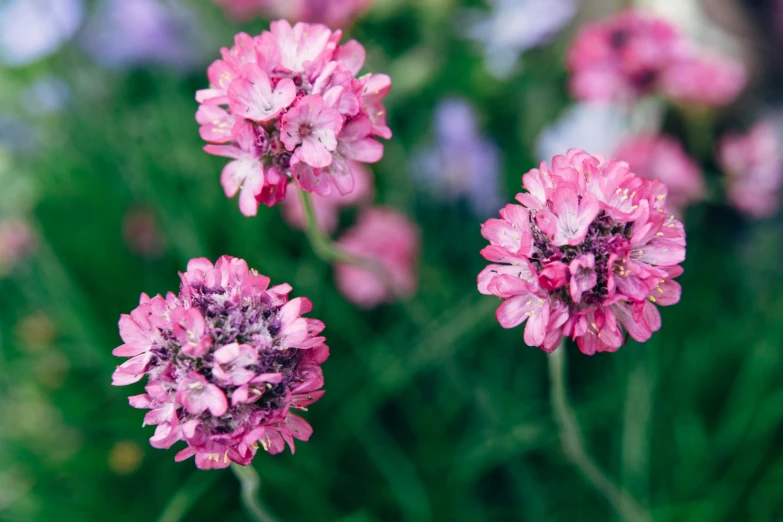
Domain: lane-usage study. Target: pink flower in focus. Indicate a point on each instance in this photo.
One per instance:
(334, 13)
(706, 80)
(287, 105)
(591, 250)
(621, 57)
(663, 158)
(754, 167)
(327, 208)
(226, 360)
(17, 241)
(391, 240)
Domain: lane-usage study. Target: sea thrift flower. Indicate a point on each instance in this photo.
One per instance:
(622, 57)
(591, 250)
(705, 80)
(334, 13)
(327, 208)
(287, 105)
(226, 360)
(17, 241)
(462, 163)
(754, 167)
(389, 239)
(663, 158)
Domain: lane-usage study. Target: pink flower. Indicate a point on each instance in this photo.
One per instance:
(17, 241)
(590, 251)
(663, 158)
(287, 104)
(334, 13)
(754, 167)
(226, 360)
(705, 80)
(327, 208)
(142, 234)
(388, 238)
(621, 57)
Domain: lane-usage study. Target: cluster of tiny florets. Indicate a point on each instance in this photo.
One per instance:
(226, 361)
(591, 248)
(287, 105)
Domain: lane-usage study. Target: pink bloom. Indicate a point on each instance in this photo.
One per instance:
(287, 104)
(334, 13)
(17, 241)
(705, 80)
(327, 208)
(141, 233)
(226, 360)
(621, 57)
(754, 167)
(663, 158)
(385, 237)
(590, 251)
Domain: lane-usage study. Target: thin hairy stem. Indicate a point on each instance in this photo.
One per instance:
(574, 447)
(250, 482)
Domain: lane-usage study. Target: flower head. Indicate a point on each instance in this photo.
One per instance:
(334, 13)
(226, 360)
(287, 105)
(590, 250)
(388, 238)
(754, 166)
(704, 80)
(33, 29)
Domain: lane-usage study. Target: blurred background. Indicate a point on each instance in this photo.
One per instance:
(432, 412)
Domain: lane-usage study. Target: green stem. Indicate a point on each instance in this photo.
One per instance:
(250, 482)
(574, 447)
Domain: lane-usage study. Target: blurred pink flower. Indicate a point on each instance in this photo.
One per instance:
(384, 236)
(663, 158)
(754, 167)
(141, 233)
(327, 208)
(287, 105)
(621, 57)
(707, 80)
(226, 360)
(17, 241)
(334, 13)
(591, 250)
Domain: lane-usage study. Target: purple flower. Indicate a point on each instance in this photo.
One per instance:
(33, 29)
(462, 163)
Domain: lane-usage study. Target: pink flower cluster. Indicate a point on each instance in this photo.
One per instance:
(591, 250)
(226, 360)
(632, 54)
(661, 157)
(334, 13)
(287, 105)
(386, 237)
(754, 165)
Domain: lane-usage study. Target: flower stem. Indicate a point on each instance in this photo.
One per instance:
(574, 448)
(250, 482)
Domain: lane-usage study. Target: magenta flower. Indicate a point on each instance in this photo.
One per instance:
(334, 13)
(705, 80)
(754, 167)
(663, 158)
(591, 250)
(391, 240)
(287, 105)
(226, 360)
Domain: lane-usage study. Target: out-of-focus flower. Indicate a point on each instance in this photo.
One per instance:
(141, 233)
(125, 457)
(17, 241)
(46, 95)
(327, 208)
(706, 80)
(590, 251)
(593, 127)
(36, 332)
(386, 237)
(226, 360)
(296, 110)
(754, 167)
(621, 57)
(663, 158)
(126, 33)
(461, 163)
(334, 13)
(514, 26)
(33, 29)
